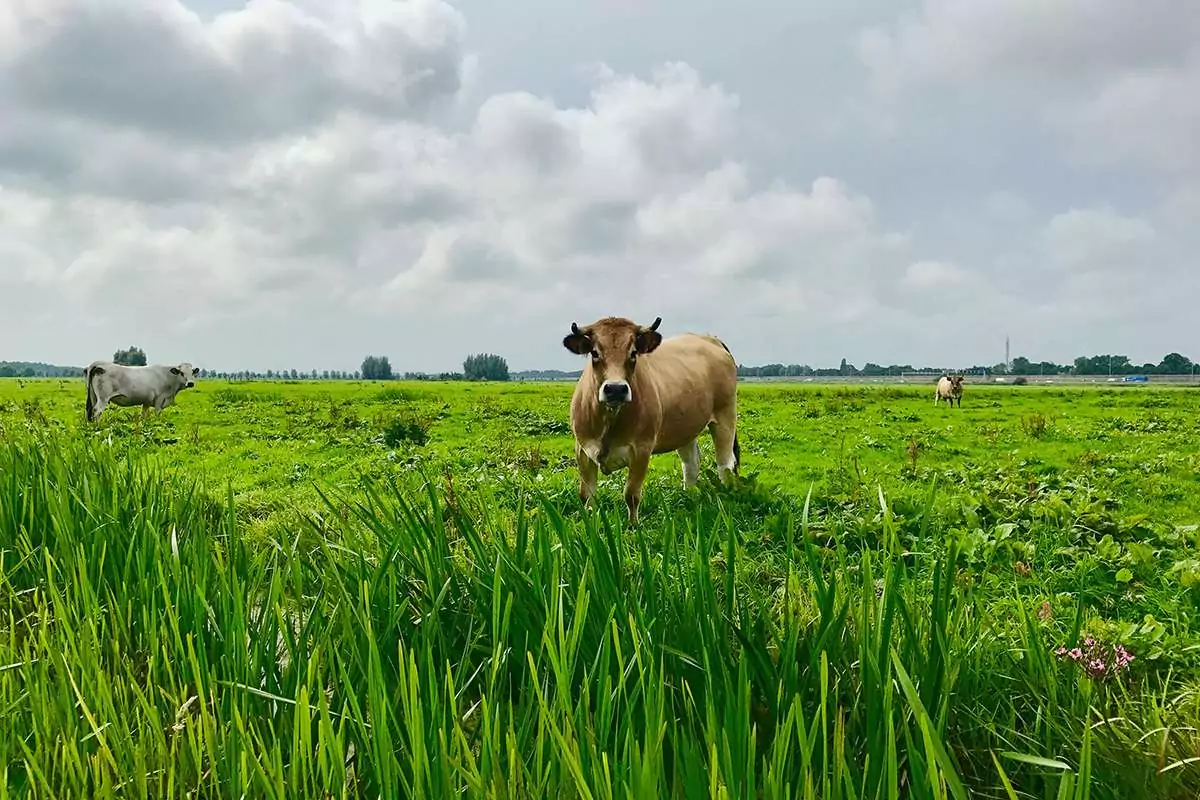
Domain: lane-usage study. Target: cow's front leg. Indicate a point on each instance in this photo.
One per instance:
(588, 476)
(639, 465)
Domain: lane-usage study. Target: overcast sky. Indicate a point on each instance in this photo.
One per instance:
(298, 183)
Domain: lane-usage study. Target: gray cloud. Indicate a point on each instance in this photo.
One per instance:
(260, 71)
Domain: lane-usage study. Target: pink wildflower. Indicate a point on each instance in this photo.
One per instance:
(1097, 659)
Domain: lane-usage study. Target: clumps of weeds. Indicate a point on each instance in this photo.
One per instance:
(530, 460)
(1036, 425)
(241, 397)
(843, 404)
(34, 412)
(531, 423)
(1141, 425)
(989, 433)
(896, 393)
(1091, 458)
(912, 453)
(395, 394)
(405, 429)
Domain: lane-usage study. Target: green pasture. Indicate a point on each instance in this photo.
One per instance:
(356, 589)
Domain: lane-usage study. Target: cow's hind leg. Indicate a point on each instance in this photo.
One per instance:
(689, 454)
(725, 442)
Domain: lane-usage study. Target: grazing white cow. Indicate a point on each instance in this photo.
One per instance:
(949, 388)
(153, 386)
(640, 395)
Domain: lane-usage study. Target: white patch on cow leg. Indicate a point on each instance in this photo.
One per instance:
(723, 435)
(689, 454)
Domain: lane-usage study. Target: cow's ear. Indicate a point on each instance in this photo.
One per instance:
(577, 341)
(175, 371)
(648, 339)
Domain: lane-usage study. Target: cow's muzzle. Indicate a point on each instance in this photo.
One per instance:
(615, 393)
(191, 384)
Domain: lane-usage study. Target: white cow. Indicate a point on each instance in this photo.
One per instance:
(949, 388)
(154, 386)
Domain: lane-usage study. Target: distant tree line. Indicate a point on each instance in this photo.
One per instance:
(490, 367)
(1171, 364)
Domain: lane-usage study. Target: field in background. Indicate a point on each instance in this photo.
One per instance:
(362, 588)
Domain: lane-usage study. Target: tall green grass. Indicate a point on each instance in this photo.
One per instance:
(434, 643)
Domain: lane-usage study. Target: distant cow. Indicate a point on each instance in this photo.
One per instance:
(149, 387)
(641, 395)
(949, 388)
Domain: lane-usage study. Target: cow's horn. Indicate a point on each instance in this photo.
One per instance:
(657, 322)
(574, 328)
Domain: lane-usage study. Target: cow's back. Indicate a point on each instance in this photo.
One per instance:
(694, 376)
(691, 363)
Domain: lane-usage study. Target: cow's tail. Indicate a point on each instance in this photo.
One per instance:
(737, 447)
(89, 374)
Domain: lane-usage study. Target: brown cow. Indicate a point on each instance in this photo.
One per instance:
(641, 395)
(949, 389)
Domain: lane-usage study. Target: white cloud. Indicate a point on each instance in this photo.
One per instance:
(1097, 239)
(926, 275)
(319, 168)
(1066, 41)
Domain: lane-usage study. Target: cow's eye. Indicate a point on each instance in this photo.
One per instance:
(595, 355)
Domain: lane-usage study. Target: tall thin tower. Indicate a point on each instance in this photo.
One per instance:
(1007, 355)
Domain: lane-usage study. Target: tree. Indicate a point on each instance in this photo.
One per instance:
(376, 368)
(1021, 366)
(133, 357)
(1175, 364)
(485, 367)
